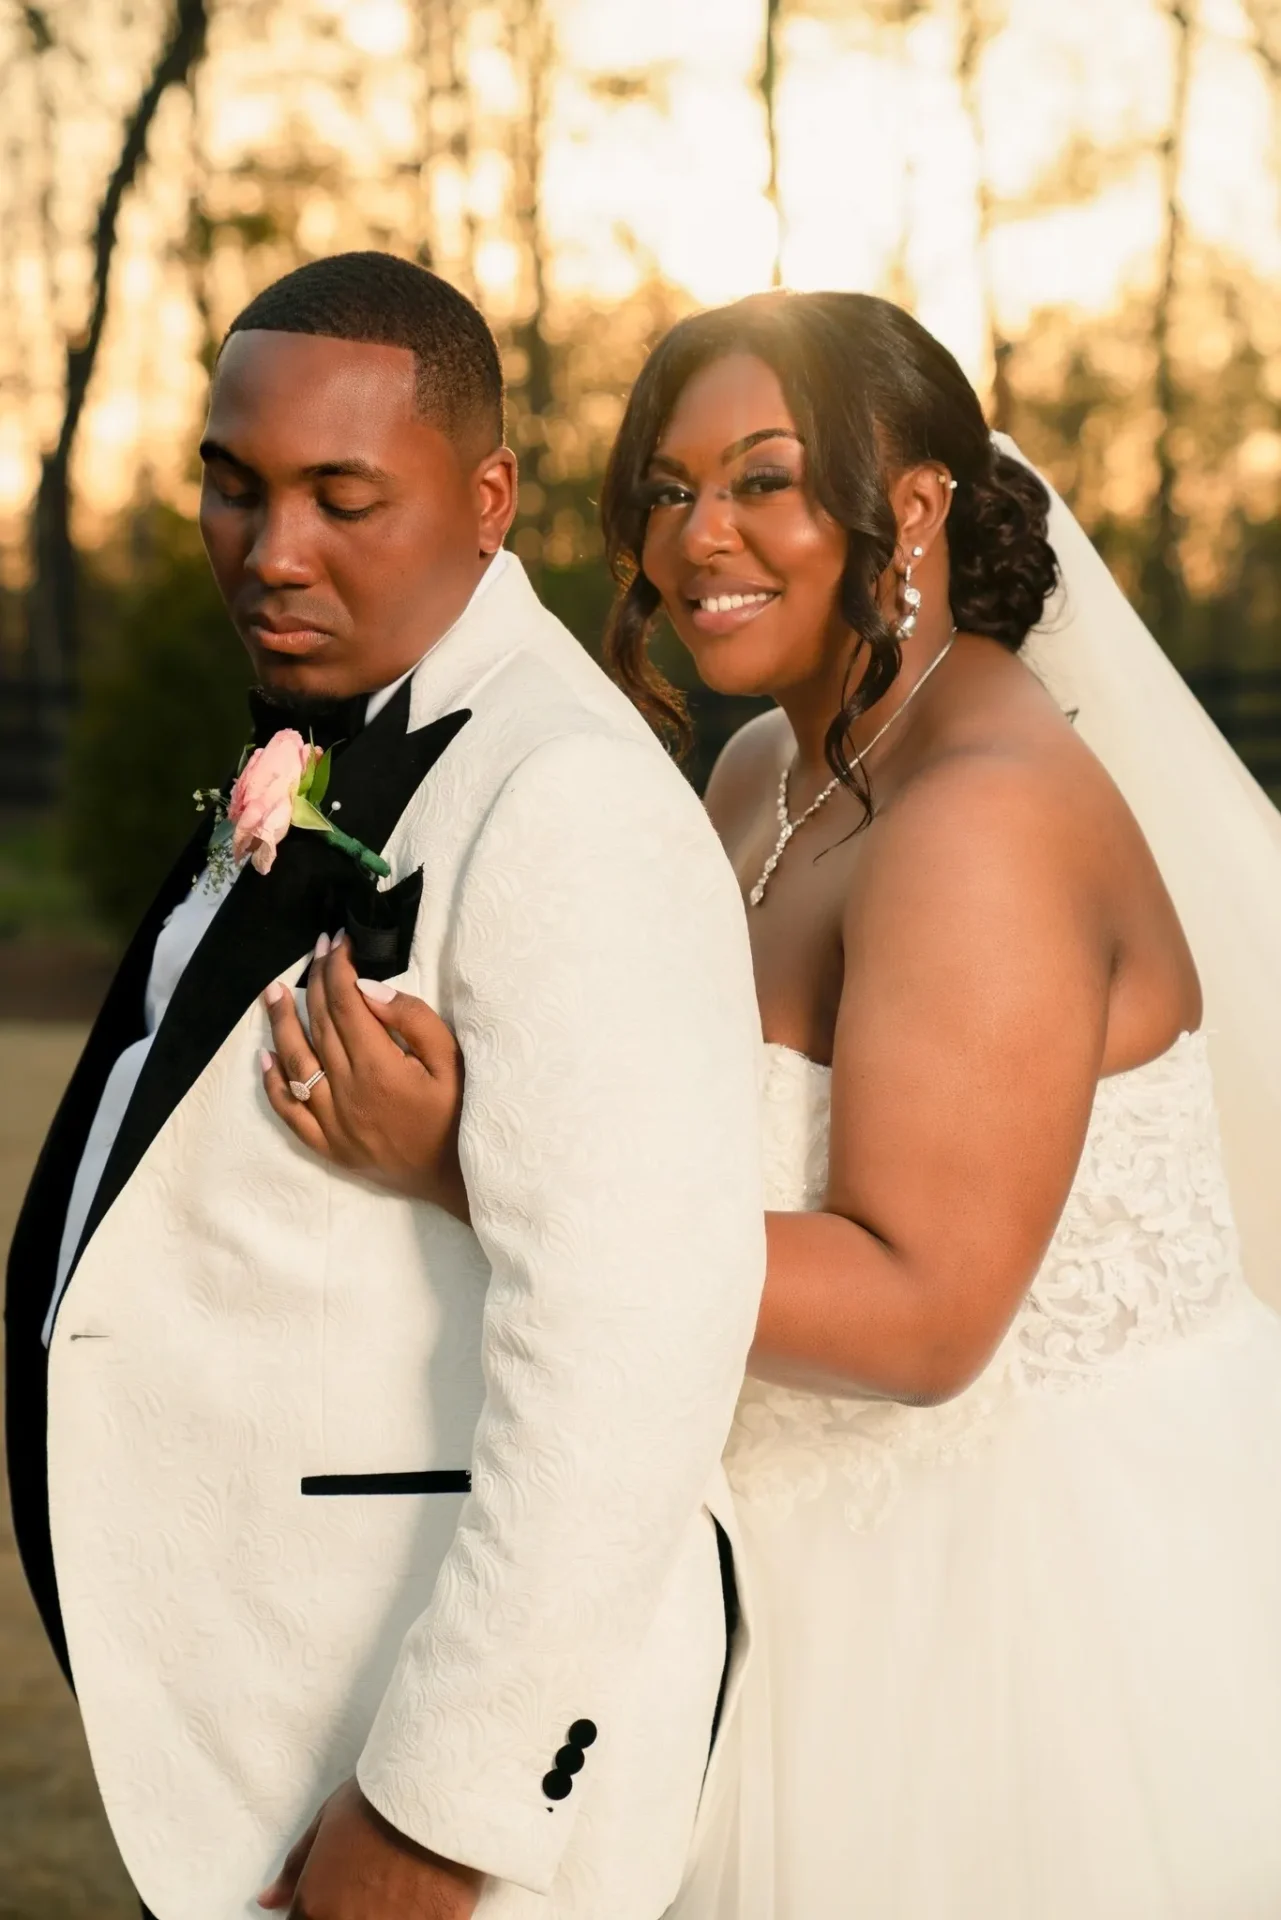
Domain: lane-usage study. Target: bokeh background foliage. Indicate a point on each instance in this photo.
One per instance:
(161, 712)
(1083, 202)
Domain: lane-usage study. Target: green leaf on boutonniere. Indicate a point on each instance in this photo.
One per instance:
(304, 814)
(317, 785)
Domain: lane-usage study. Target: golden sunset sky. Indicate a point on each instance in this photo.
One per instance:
(878, 171)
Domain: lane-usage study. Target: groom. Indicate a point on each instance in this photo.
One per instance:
(355, 1528)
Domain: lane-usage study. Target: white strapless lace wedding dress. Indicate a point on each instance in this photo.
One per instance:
(1020, 1654)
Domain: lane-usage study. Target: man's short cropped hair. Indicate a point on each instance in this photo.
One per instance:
(382, 300)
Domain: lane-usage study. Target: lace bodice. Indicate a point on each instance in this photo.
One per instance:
(1145, 1252)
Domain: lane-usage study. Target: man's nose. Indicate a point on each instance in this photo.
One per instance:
(711, 526)
(280, 555)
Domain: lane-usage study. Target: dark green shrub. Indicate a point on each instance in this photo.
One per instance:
(162, 712)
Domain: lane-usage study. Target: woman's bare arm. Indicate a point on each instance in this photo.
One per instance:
(972, 1025)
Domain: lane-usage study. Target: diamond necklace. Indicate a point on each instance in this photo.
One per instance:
(787, 826)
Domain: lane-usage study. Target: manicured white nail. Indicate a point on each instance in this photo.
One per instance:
(340, 936)
(377, 990)
(322, 946)
(265, 1060)
(273, 993)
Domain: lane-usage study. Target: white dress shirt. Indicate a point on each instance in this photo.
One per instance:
(176, 943)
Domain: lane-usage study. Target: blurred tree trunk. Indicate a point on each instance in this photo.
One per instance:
(900, 283)
(447, 134)
(452, 14)
(769, 99)
(533, 56)
(53, 600)
(41, 39)
(532, 49)
(1263, 21)
(976, 31)
(1165, 588)
(1263, 32)
(202, 229)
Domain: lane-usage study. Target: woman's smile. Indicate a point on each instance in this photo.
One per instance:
(721, 606)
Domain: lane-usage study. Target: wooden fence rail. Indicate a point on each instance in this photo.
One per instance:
(1245, 706)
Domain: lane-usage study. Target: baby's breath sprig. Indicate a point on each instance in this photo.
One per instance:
(220, 862)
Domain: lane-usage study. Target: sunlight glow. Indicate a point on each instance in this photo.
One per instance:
(654, 167)
(380, 27)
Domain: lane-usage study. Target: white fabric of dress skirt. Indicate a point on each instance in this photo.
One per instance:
(1019, 1656)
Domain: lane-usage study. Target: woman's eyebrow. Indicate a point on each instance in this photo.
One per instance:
(666, 461)
(737, 447)
(731, 452)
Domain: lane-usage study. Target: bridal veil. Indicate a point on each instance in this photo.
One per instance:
(1217, 840)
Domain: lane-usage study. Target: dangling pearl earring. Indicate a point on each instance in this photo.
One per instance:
(911, 597)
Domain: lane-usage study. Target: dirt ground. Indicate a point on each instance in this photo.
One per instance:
(57, 1861)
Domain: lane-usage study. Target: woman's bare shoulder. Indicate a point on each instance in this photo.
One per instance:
(987, 804)
(1010, 750)
(747, 765)
(1018, 806)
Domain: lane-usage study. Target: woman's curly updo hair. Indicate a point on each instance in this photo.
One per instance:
(871, 393)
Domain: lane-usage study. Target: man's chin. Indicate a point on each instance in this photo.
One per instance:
(302, 676)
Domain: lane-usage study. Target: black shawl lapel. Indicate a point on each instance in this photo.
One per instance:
(37, 1239)
(268, 922)
(121, 1020)
(33, 1256)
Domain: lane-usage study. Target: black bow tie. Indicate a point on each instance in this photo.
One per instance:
(326, 722)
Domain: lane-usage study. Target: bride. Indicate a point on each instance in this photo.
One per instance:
(1009, 1459)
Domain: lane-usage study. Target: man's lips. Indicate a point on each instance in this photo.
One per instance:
(285, 636)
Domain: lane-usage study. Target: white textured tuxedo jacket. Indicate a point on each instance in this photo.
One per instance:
(269, 1381)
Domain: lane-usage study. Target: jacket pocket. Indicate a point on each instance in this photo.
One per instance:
(446, 1480)
(380, 925)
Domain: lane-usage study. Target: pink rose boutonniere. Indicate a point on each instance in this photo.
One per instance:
(279, 786)
(261, 809)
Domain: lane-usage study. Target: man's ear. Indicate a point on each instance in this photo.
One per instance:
(495, 480)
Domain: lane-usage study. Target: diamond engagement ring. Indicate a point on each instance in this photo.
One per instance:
(301, 1089)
